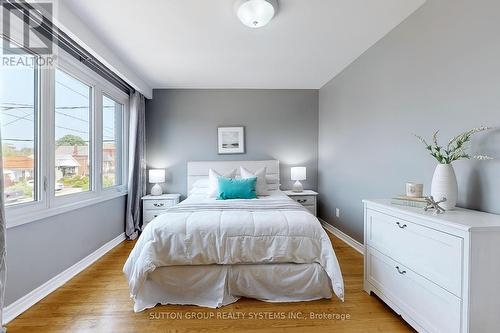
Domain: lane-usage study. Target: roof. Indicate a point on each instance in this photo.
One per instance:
(66, 161)
(81, 150)
(18, 162)
(70, 150)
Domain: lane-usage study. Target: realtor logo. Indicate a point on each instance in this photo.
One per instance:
(36, 32)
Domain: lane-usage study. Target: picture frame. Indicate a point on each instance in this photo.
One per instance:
(230, 140)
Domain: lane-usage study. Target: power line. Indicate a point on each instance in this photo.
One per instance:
(109, 129)
(15, 120)
(19, 140)
(31, 140)
(26, 115)
(71, 129)
(71, 116)
(76, 92)
(7, 108)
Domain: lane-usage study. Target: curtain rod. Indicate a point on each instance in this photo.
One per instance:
(61, 39)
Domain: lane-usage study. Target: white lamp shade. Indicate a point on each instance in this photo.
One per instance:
(156, 176)
(256, 13)
(298, 173)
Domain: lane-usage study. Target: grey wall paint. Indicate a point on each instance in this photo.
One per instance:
(38, 251)
(439, 69)
(181, 125)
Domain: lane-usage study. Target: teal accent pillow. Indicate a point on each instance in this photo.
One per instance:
(230, 188)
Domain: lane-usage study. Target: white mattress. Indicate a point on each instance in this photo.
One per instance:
(231, 245)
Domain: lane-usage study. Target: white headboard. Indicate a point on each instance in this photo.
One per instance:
(199, 169)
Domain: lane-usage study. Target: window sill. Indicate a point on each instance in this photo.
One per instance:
(20, 219)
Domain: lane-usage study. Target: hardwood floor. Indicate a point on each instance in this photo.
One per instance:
(97, 300)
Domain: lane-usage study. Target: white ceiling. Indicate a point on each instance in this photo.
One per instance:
(201, 43)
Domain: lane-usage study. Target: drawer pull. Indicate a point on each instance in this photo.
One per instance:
(400, 271)
(402, 226)
(158, 204)
(301, 200)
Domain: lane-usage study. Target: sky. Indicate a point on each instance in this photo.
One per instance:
(72, 102)
(17, 95)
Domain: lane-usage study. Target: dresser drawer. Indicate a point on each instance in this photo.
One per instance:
(158, 204)
(149, 215)
(432, 307)
(305, 199)
(433, 254)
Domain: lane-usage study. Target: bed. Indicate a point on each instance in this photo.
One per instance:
(210, 252)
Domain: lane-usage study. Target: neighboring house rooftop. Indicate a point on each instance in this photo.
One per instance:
(18, 162)
(66, 161)
(72, 150)
(80, 150)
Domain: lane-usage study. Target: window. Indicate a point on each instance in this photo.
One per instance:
(63, 136)
(112, 138)
(73, 144)
(19, 122)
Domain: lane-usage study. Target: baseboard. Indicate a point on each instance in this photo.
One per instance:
(346, 238)
(24, 303)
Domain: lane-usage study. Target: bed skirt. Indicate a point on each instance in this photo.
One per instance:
(214, 286)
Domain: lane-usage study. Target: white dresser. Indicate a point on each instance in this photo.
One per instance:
(155, 205)
(441, 273)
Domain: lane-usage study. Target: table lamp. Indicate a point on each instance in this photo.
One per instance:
(298, 174)
(156, 176)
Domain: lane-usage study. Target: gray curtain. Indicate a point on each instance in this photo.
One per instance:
(3, 266)
(137, 164)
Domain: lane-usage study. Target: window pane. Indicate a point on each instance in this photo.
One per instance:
(112, 126)
(18, 106)
(73, 100)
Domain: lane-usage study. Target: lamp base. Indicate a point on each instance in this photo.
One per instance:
(297, 187)
(156, 190)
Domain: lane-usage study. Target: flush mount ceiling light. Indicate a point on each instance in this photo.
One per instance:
(256, 13)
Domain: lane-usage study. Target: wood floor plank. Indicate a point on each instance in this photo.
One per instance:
(97, 300)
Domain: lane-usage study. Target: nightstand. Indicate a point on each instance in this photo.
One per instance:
(155, 205)
(306, 198)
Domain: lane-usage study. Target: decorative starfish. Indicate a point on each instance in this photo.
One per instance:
(431, 204)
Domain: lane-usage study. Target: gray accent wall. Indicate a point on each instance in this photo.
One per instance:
(439, 69)
(40, 250)
(181, 125)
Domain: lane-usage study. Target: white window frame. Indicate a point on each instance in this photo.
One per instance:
(41, 152)
(122, 98)
(48, 204)
(73, 70)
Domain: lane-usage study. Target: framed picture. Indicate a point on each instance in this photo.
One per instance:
(231, 140)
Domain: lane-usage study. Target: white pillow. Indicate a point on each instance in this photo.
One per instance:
(213, 181)
(261, 185)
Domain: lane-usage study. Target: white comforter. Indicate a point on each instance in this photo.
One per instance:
(201, 231)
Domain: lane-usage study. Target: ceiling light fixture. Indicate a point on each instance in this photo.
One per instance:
(256, 13)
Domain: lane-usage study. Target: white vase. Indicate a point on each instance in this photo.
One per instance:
(444, 185)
